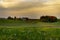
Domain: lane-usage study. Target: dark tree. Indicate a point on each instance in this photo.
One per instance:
(48, 19)
(10, 18)
(42, 18)
(15, 18)
(53, 19)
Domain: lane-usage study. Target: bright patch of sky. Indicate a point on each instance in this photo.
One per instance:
(30, 8)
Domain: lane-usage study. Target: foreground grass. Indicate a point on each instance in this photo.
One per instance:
(29, 33)
(29, 30)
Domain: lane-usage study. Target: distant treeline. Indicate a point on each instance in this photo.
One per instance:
(14, 18)
(42, 18)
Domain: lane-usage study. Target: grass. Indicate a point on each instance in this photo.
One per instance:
(30, 33)
(29, 30)
(33, 23)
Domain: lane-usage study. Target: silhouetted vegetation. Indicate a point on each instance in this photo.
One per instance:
(48, 19)
(15, 18)
(10, 18)
(42, 19)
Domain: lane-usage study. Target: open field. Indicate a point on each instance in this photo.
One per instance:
(29, 30)
(28, 23)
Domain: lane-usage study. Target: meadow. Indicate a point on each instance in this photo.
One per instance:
(28, 23)
(29, 30)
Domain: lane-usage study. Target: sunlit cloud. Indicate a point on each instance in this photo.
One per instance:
(29, 8)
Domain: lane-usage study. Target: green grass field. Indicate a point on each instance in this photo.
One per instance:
(29, 30)
(30, 33)
(21, 23)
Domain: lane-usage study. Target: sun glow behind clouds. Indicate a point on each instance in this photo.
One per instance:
(8, 3)
(11, 3)
(31, 7)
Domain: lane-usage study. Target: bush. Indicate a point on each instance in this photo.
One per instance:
(10, 18)
(48, 19)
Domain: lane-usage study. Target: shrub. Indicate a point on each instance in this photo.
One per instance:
(48, 19)
(10, 18)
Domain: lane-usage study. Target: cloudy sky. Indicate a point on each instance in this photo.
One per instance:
(29, 8)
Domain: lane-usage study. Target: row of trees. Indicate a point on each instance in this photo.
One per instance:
(10, 18)
(42, 18)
